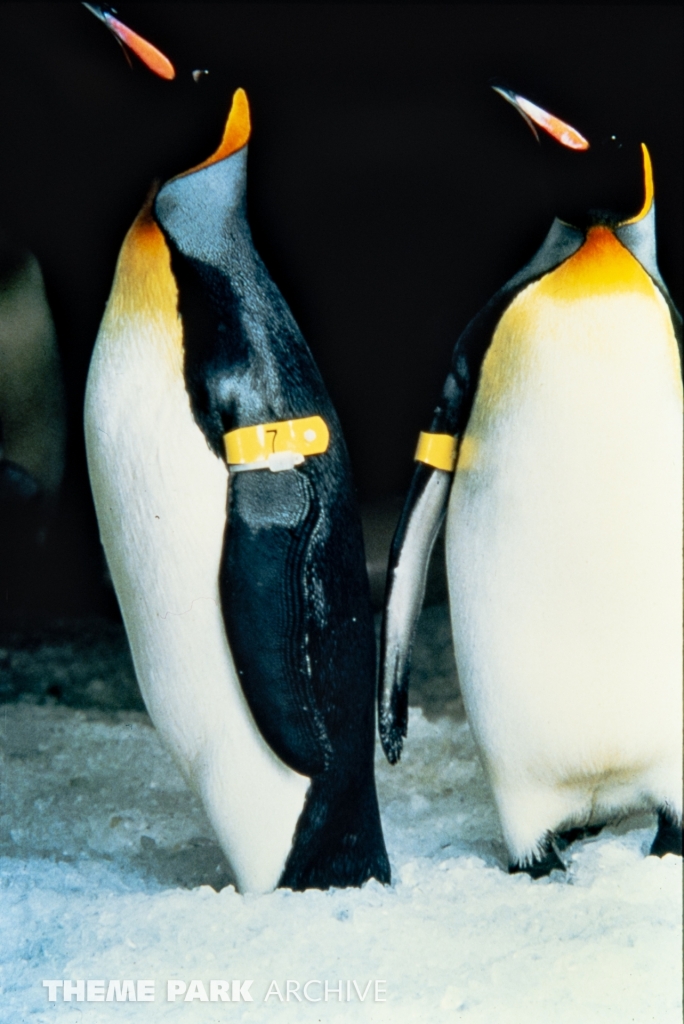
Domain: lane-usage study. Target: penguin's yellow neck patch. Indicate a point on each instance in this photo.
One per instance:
(601, 266)
(592, 311)
(144, 287)
(144, 253)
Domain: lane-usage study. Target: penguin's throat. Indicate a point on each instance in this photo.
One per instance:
(601, 266)
(144, 288)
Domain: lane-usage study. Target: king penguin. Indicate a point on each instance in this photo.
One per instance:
(556, 453)
(223, 492)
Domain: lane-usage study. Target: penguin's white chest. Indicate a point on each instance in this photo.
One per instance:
(564, 543)
(160, 495)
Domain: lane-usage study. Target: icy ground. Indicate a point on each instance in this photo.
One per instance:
(105, 860)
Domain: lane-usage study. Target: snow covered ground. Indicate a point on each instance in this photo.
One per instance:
(107, 863)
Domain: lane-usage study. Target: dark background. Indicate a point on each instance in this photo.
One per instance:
(391, 192)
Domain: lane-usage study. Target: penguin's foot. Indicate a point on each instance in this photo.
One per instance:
(544, 865)
(573, 835)
(668, 838)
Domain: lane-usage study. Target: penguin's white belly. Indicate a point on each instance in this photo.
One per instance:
(160, 495)
(564, 552)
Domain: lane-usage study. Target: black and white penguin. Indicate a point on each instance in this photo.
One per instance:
(226, 510)
(556, 453)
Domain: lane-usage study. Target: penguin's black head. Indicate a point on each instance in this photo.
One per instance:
(604, 178)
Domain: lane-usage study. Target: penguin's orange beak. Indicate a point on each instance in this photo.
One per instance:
(559, 130)
(151, 57)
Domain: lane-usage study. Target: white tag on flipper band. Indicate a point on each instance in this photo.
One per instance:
(277, 463)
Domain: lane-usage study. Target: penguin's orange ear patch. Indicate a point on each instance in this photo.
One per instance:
(648, 188)
(235, 135)
(238, 128)
(559, 130)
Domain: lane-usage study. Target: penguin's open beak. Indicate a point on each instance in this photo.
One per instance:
(151, 57)
(534, 115)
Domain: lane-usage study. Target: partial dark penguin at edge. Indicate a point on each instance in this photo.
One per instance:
(32, 428)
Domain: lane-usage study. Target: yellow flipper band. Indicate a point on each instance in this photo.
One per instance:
(438, 450)
(276, 445)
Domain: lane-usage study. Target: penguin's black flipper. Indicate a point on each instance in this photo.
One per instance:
(425, 505)
(292, 579)
(267, 606)
(301, 642)
(412, 545)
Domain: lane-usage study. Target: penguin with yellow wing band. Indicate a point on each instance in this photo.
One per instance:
(224, 498)
(563, 495)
